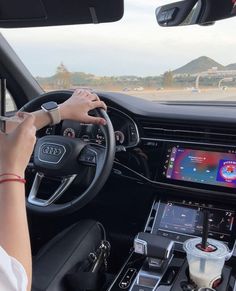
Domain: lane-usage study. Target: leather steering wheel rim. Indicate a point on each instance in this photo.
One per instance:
(101, 174)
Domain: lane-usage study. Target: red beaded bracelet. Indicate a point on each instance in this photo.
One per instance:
(20, 180)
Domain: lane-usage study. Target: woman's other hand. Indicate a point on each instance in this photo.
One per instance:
(17, 146)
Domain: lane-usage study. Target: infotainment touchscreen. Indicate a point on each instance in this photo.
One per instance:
(201, 166)
(188, 219)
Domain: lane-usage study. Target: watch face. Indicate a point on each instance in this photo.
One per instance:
(50, 105)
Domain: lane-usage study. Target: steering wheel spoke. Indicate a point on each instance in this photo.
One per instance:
(34, 192)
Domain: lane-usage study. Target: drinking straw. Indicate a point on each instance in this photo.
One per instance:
(205, 231)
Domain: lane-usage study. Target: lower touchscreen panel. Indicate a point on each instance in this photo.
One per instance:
(186, 218)
(201, 166)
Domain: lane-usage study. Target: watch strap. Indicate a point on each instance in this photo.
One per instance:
(55, 115)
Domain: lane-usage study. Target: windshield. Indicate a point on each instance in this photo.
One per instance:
(135, 56)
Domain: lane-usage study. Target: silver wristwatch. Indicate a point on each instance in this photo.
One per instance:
(52, 108)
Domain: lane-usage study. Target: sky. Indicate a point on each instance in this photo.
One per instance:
(135, 45)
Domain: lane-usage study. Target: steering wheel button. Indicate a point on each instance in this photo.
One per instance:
(90, 158)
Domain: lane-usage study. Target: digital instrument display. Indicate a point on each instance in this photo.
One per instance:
(181, 218)
(201, 166)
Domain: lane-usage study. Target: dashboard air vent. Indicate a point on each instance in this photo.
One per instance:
(187, 131)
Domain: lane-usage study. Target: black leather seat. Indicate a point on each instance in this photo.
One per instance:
(63, 253)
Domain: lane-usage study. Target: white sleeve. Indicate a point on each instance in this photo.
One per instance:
(12, 274)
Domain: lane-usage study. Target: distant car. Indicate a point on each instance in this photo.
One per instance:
(138, 89)
(195, 90)
(126, 89)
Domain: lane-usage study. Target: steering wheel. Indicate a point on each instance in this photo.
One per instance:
(65, 158)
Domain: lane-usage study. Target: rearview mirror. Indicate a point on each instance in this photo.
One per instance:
(187, 12)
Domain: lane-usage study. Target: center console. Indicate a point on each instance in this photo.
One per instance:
(177, 220)
(205, 174)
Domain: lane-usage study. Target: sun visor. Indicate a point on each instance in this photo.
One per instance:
(31, 13)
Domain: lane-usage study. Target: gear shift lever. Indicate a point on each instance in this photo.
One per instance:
(157, 249)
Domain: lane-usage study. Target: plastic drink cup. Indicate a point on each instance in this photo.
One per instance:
(205, 266)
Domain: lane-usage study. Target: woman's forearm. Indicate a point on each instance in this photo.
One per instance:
(14, 235)
(15, 150)
(42, 118)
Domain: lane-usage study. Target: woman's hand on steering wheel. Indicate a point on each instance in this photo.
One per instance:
(78, 106)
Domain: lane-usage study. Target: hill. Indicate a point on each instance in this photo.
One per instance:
(231, 67)
(198, 65)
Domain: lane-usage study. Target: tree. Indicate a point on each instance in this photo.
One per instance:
(63, 77)
(168, 79)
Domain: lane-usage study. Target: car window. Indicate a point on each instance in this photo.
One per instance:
(135, 56)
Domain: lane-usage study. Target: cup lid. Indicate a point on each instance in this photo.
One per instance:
(219, 249)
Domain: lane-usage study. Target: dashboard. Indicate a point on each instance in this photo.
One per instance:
(187, 155)
(167, 145)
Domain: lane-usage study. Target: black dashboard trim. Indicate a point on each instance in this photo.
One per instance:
(188, 142)
(195, 112)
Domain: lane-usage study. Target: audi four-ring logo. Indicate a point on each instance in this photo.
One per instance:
(51, 153)
(51, 150)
